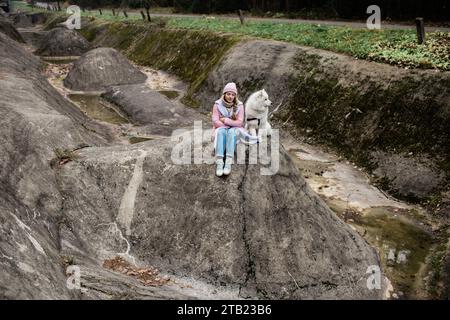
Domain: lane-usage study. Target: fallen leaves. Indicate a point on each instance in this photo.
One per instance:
(148, 276)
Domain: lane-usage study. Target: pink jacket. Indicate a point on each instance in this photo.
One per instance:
(228, 122)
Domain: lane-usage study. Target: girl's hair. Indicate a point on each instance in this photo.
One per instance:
(235, 107)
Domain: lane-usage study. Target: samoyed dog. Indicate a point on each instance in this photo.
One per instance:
(257, 113)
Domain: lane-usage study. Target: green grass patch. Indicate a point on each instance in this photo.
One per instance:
(396, 47)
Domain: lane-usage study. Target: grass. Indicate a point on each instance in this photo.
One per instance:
(395, 47)
(62, 156)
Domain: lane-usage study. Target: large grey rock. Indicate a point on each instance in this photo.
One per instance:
(63, 42)
(150, 108)
(7, 28)
(269, 235)
(100, 68)
(35, 119)
(409, 177)
(253, 65)
(22, 20)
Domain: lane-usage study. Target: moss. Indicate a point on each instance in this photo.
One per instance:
(435, 266)
(366, 116)
(62, 156)
(134, 140)
(54, 19)
(191, 55)
(67, 261)
(170, 94)
(92, 30)
(124, 35)
(53, 60)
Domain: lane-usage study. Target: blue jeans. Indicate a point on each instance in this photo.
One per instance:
(226, 139)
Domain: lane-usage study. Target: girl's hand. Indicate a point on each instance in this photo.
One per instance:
(222, 120)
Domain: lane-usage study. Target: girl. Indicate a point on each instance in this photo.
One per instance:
(228, 119)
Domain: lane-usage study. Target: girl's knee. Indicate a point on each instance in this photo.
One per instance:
(231, 132)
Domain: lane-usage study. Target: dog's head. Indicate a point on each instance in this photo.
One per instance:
(263, 98)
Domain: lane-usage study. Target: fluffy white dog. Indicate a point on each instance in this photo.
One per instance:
(257, 113)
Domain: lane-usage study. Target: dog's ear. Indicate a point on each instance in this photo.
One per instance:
(264, 92)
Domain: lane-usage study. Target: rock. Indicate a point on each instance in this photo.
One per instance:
(63, 42)
(444, 207)
(38, 18)
(409, 177)
(22, 20)
(35, 120)
(7, 28)
(100, 68)
(270, 235)
(253, 65)
(148, 107)
(33, 37)
(33, 235)
(263, 235)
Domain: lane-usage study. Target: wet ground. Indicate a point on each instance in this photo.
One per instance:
(98, 108)
(401, 232)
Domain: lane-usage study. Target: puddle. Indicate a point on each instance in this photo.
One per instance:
(134, 140)
(330, 176)
(97, 108)
(399, 231)
(59, 60)
(170, 94)
(403, 248)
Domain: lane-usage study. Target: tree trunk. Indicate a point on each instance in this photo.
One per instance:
(143, 15)
(148, 14)
(420, 26)
(113, 12)
(100, 10)
(241, 17)
(125, 14)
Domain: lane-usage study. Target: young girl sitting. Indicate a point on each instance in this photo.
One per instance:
(227, 117)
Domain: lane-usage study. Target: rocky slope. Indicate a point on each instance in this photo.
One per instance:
(69, 196)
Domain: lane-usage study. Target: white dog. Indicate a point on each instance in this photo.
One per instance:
(257, 113)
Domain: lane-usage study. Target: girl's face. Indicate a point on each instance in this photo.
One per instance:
(229, 96)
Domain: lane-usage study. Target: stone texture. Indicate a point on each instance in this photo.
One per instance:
(63, 42)
(100, 68)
